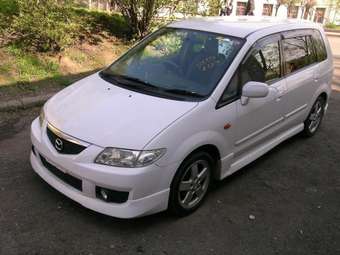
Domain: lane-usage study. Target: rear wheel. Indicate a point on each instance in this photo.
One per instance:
(314, 119)
(191, 183)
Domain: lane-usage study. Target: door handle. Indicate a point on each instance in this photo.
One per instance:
(279, 95)
(278, 99)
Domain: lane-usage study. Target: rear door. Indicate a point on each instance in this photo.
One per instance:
(324, 71)
(300, 67)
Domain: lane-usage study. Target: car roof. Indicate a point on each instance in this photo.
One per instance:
(242, 26)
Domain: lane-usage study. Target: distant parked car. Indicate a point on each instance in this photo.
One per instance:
(191, 103)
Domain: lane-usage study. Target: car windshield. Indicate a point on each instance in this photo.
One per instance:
(175, 63)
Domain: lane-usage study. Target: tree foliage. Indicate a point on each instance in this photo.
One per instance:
(44, 25)
(308, 5)
(139, 13)
(214, 7)
(8, 9)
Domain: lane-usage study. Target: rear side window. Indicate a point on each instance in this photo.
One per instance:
(319, 46)
(298, 53)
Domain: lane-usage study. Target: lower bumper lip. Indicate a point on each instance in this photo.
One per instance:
(131, 209)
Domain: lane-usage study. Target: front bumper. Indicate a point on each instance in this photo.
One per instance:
(148, 187)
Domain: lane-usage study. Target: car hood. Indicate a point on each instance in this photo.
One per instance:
(100, 113)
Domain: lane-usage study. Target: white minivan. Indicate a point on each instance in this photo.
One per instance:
(193, 102)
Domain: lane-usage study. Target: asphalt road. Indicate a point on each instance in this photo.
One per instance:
(335, 44)
(293, 192)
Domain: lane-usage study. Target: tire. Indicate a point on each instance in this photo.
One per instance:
(314, 119)
(191, 184)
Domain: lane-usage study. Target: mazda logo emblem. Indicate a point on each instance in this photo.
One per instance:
(58, 144)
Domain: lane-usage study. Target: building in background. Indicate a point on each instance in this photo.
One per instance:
(102, 5)
(322, 11)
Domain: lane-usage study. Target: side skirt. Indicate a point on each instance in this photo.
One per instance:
(261, 150)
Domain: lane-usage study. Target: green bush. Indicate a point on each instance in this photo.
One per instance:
(44, 25)
(8, 8)
(94, 22)
(30, 67)
(331, 25)
(53, 25)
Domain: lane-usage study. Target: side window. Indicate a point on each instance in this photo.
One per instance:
(262, 65)
(319, 46)
(232, 90)
(298, 53)
(313, 57)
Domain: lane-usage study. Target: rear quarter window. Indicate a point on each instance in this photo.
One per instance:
(319, 45)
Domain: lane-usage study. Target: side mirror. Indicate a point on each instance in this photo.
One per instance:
(253, 89)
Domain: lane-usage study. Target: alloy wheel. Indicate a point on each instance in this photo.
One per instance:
(315, 116)
(194, 184)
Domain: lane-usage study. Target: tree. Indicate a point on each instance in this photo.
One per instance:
(214, 7)
(308, 5)
(185, 7)
(139, 13)
(44, 25)
(250, 8)
(289, 3)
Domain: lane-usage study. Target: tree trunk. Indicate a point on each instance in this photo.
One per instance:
(277, 9)
(107, 6)
(305, 15)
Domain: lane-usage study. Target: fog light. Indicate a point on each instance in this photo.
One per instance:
(111, 196)
(104, 193)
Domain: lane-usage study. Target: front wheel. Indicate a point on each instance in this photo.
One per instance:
(313, 121)
(191, 183)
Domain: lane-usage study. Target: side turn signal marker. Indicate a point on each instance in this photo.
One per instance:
(226, 126)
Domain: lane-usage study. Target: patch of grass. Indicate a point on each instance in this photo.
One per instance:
(76, 56)
(5, 68)
(31, 67)
(332, 26)
(62, 80)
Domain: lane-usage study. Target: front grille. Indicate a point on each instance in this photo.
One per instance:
(62, 145)
(70, 180)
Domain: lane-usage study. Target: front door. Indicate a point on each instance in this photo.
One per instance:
(261, 118)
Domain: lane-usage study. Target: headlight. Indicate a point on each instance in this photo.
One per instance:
(42, 116)
(128, 158)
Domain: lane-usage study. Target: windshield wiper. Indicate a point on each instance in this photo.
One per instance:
(126, 80)
(137, 83)
(184, 92)
(133, 79)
